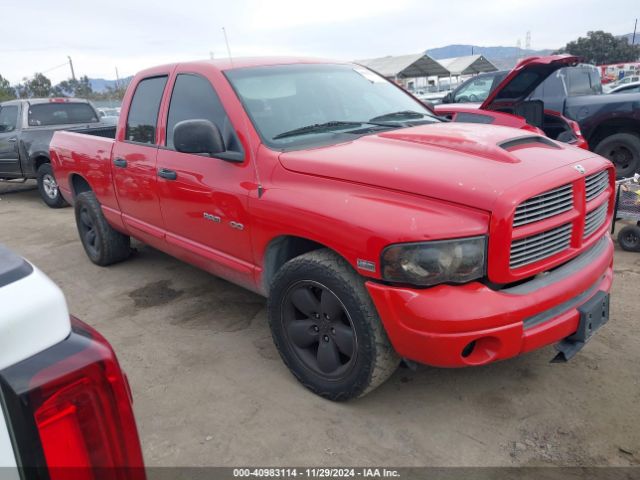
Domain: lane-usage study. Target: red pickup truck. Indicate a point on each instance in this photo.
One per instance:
(376, 230)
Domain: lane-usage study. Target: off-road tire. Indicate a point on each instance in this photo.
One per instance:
(374, 360)
(623, 149)
(48, 187)
(629, 238)
(108, 246)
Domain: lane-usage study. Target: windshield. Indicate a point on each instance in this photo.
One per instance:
(58, 113)
(336, 101)
(477, 89)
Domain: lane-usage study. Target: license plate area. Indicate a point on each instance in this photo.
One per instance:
(593, 314)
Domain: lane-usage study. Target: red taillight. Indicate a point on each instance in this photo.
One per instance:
(58, 100)
(82, 410)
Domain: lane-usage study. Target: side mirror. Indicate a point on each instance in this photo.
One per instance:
(198, 136)
(448, 98)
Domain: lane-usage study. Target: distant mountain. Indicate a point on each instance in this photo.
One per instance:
(629, 37)
(503, 58)
(100, 84)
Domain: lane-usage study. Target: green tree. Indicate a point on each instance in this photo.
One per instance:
(602, 48)
(74, 88)
(37, 86)
(7, 92)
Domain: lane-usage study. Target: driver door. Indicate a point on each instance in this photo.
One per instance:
(203, 198)
(9, 159)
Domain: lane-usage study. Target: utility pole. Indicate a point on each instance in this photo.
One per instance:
(633, 39)
(117, 79)
(73, 73)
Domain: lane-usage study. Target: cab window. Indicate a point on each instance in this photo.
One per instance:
(143, 112)
(193, 98)
(8, 118)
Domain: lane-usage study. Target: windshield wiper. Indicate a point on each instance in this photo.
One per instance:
(328, 127)
(400, 114)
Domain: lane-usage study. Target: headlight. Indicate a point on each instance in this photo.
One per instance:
(430, 263)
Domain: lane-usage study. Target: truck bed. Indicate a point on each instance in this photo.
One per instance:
(88, 153)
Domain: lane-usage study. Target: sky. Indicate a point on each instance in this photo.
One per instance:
(130, 35)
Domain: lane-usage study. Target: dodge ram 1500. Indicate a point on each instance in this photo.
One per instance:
(376, 230)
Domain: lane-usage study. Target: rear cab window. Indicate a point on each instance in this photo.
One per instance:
(8, 118)
(144, 109)
(60, 113)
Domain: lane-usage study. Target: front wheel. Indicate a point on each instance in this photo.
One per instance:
(48, 187)
(623, 149)
(326, 327)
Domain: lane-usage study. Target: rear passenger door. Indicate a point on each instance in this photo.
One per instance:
(134, 162)
(9, 162)
(204, 199)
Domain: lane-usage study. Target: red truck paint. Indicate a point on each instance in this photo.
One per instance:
(414, 184)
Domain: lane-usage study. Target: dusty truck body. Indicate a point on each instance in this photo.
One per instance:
(376, 230)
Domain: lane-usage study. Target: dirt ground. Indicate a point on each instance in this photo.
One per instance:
(210, 389)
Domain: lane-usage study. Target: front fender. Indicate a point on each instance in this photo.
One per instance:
(355, 221)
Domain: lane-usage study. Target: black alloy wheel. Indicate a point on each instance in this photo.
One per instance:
(319, 329)
(88, 233)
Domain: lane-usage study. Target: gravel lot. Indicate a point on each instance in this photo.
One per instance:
(210, 389)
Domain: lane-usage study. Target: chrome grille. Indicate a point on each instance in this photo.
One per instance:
(595, 219)
(545, 205)
(596, 184)
(539, 246)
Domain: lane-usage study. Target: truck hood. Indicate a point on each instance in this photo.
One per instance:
(525, 78)
(468, 164)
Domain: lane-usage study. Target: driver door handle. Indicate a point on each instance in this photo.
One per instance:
(167, 174)
(12, 139)
(120, 162)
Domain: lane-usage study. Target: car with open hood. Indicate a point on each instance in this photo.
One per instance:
(502, 98)
(566, 102)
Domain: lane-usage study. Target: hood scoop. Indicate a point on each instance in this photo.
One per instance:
(528, 141)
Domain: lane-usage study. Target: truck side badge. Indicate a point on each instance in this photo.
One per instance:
(367, 265)
(213, 218)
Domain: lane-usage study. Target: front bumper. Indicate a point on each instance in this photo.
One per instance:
(472, 324)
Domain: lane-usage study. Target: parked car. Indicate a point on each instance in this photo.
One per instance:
(633, 87)
(66, 404)
(376, 230)
(609, 123)
(109, 115)
(26, 127)
(506, 101)
(626, 80)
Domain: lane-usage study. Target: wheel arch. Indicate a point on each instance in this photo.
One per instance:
(38, 159)
(78, 184)
(283, 248)
(611, 127)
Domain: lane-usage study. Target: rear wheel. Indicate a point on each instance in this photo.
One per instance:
(48, 187)
(103, 245)
(326, 327)
(629, 238)
(623, 149)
